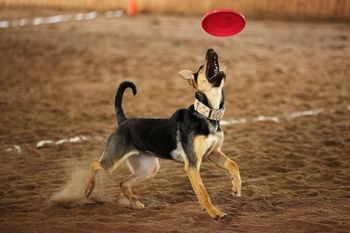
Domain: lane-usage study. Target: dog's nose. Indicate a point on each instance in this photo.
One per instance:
(210, 53)
(210, 50)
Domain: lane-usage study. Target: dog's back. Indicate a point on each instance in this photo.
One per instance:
(150, 135)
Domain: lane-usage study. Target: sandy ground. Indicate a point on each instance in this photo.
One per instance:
(59, 81)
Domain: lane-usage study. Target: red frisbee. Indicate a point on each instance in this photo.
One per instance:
(223, 22)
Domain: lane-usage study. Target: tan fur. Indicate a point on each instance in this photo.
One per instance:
(222, 161)
(120, 161)
(127, 192)
(200, 147)
(142, 167)
(202, 144)
(202, 84)
(90, 185)
(201, 193)
(213, 94)
(95, 166)
(210, 146)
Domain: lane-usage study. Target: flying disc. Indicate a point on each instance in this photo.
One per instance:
(223, 22)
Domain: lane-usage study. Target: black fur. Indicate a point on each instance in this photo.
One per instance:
(216, 80)
(213, 73)
(203, 99)
(158, 136)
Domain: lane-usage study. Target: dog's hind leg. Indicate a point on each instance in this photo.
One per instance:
(90, 185)
(108, 163)
(222, 161)
(115, 153)
(142, 167)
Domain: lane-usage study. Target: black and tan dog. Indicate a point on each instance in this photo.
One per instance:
(188, 136)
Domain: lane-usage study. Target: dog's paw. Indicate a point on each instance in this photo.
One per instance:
(236, 187)
(236, 192)
(137, 205)
(217, 214)
(222, 215)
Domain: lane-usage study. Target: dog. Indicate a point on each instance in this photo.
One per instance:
(187, 137)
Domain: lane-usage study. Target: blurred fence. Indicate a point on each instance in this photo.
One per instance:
(335, 9)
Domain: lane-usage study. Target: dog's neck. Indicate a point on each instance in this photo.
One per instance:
(213, 99)
(202, 105)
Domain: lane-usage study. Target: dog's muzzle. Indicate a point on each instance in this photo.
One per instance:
(213, 73)
(212, 64)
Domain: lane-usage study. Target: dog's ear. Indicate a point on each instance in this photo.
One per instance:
(186, 74)
(189, 76)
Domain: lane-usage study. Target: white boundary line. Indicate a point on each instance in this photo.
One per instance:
(14, 147)
(261, 118)
(76, 139)
(275, 119)
(58, 19)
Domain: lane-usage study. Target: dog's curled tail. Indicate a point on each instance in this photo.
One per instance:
(119, 98)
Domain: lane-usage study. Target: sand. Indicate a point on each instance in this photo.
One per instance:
(59, 81)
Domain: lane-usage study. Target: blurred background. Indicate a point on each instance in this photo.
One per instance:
(286, 121)
(324, 9)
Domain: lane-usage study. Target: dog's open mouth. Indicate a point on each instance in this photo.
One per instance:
(212, 64)
(213, 73)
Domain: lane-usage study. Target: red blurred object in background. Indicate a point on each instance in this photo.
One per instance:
(132, 8)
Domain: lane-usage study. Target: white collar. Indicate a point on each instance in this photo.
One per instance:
(210, 113)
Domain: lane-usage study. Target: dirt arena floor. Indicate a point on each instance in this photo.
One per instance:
(59, 81)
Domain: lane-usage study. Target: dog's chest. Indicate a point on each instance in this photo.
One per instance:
(211, 142)
(205, 145)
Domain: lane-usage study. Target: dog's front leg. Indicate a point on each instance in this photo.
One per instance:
(222, 161)
(201, 193)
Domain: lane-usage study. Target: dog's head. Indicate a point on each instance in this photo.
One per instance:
(209, 76)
